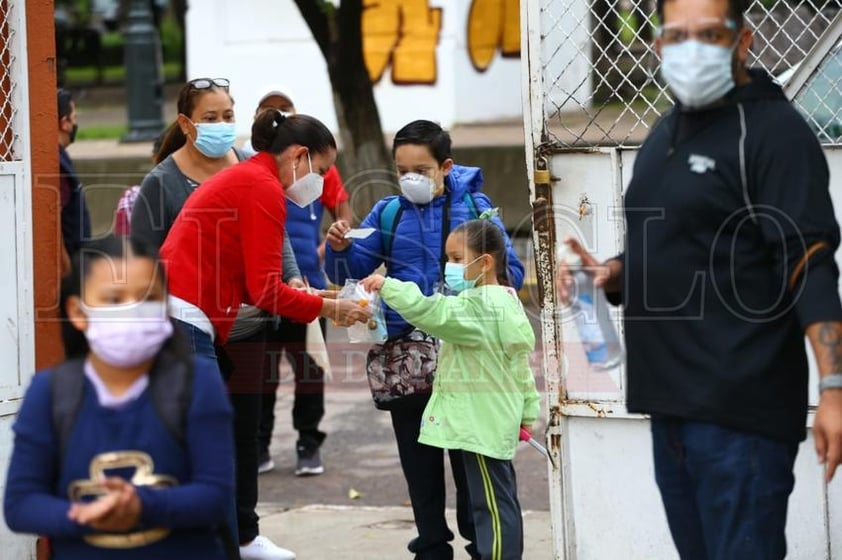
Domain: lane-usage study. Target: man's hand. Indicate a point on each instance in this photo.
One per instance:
(827, 431)
(605, 275)
(826, 340)
(336, 235)
(297, 283)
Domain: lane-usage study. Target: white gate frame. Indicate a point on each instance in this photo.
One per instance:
(21, 169)
(557, 443)
(19, 371)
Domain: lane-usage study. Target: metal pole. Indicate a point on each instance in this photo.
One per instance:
(144, 75)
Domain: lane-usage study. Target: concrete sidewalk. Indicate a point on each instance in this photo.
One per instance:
(321, 532)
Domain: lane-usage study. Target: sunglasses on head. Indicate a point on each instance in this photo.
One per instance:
(206, 83)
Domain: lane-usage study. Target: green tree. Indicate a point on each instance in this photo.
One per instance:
(367, 162)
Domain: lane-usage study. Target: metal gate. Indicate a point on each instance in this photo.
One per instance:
(591, 93)
(17, 344)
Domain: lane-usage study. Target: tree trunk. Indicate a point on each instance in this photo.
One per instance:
(367, 164)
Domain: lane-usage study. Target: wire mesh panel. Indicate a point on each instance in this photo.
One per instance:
(601, 85)
(9, 37)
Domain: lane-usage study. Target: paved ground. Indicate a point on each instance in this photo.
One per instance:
(363, 533)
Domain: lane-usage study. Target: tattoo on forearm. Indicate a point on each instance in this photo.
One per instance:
(830, 339)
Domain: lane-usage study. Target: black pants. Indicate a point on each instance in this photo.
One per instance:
(308, 408)
(423, 468)
(247, 357)
(496, 510)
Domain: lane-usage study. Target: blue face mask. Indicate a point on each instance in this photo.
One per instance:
(214, 140)
(454, 276)
(696, 73)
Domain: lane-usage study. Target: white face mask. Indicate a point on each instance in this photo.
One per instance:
(697, 74)
(127, 335)
(417, 188)
(306, 190)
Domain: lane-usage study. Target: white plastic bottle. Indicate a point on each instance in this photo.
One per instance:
(592, 316)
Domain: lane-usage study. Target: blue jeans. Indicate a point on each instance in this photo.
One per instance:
(725, 492)
(198, 341)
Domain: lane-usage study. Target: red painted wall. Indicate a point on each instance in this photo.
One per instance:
(46, 206)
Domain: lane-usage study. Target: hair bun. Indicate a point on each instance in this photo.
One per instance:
(280, 118)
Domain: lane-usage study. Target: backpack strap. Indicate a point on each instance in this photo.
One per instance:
(67, 391)
(389, 218)
(391, 215)
(471, 204)
(171, 391)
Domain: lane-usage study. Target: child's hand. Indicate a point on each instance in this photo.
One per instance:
(373, 283)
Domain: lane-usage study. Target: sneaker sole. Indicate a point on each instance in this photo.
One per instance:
(309, 471)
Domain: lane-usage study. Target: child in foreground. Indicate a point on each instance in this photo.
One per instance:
(484, 391)
(104, 464)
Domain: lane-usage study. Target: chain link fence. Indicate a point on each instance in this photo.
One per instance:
(9, 46)
(600, 70)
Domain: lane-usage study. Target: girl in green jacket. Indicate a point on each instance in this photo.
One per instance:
(484, 390)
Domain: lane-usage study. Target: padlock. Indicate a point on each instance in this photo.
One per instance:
(542, 177)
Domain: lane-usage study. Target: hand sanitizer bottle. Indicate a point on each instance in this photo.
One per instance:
(592, 316)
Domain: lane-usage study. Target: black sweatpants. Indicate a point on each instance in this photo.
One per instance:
(308, 408)
(244, 387)
(496, 510)
(423, 468)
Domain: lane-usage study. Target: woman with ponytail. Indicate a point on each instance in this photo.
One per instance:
(224, 249)
(196, 146)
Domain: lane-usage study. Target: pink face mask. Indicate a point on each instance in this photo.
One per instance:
(127, 335)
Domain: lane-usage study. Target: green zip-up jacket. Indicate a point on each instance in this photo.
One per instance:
(484, 389)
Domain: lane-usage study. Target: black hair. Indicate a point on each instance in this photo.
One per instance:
(486, 237)
(109, 247)
(274, 131)
(188, 98)
(736, 11)
(65, 103)
(425, 133)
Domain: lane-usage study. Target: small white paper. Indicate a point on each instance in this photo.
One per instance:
(360, 233)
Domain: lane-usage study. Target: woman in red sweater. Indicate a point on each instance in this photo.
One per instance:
(225, 247)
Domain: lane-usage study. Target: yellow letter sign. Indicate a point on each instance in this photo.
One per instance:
(405, 32)
(493, 24)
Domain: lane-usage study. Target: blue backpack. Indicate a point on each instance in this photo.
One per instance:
(391, 215)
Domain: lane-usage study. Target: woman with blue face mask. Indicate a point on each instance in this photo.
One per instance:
(196, 146)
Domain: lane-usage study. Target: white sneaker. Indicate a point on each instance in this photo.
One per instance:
(265, 463)
(262, 548)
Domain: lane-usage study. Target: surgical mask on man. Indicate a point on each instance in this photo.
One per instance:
(454, 276)
(698, 74)
(417, 188)
(214, 140)
(306, 190)
(127, 335)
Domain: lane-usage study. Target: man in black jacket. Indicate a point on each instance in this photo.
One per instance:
(728, 263)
